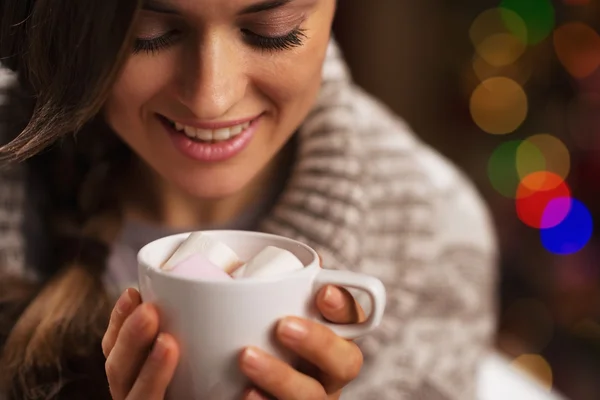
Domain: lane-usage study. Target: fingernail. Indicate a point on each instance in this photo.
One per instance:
(124, 303)
(333, 298)
(254, 395)
(293, 329)
(160, 348)
(253, 359)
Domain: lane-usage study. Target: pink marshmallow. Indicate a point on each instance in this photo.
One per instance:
(200, 268)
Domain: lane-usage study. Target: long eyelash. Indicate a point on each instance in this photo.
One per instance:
(152, 46)
(293, 39)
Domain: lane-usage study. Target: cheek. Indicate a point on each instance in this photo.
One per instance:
(294, 78)
(134, 92)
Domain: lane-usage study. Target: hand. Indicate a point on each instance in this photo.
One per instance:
(140, 363)
(332, 362)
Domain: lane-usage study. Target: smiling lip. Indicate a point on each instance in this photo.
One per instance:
(211, 152)
(214, 125)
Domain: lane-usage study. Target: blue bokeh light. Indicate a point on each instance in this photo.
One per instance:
(573, 233)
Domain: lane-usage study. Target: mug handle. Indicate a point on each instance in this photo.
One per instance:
(372, 286)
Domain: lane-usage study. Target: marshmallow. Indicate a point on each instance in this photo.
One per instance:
(239, 272)
(216, 252)
(271, 261)
(199, 267)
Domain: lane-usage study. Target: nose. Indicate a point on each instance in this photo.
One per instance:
(213, 79)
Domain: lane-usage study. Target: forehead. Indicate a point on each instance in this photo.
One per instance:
(219, 7)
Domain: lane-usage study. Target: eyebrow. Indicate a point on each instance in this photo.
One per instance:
(158, 7)
(264, 6)
(164, 8)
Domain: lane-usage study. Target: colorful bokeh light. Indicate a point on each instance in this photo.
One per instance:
(519, 72)
(577, 46)
(534, 194)
(539, 17)
(529, 159)
(499, 105)
(543, 152)
(493, 41)
(502, 170)
(533, 171)
(573, 233)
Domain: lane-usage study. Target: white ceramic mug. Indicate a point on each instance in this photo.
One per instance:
(214, 320)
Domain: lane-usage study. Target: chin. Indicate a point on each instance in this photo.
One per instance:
(212, 187)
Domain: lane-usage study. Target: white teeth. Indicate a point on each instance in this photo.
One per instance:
(204, 134)
(189, 131)
(211, 135)
(221, 134)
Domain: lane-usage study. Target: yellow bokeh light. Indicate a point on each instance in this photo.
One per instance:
(519, 72)
(493, 41)
(555, 155)
(536, 367)
(501, 49)
(499, 105)
(529, 159)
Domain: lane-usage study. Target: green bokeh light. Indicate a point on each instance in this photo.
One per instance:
(529, 159)
(502, 169)
(539, 17)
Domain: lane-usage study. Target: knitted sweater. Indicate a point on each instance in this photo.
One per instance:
(370, 197)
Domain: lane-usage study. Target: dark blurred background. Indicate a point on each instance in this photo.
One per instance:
(445, 67)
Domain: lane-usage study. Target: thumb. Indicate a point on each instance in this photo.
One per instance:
(338, 306)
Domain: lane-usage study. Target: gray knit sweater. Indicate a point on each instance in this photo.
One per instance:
(369, 197)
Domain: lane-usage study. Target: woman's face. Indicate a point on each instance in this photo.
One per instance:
(215, 88)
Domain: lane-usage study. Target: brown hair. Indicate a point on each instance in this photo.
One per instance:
(67, 54)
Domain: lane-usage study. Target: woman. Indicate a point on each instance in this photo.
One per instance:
(141, 119)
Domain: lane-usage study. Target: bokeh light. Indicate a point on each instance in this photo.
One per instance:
(543, 152)
(493, 41)
(529, 159)
(538, 15)
(537, 367)
(573, 233)
(502, 170)
(499, 105)
(501, 49)
(535, 192)
(519, 71)
(577, 46)
(533, 171)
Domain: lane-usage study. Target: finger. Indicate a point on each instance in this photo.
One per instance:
(128, 301)
(255, 394)
(277, 378)
(158, 370)
(338, 359)
(131, 349)
(337, 305)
